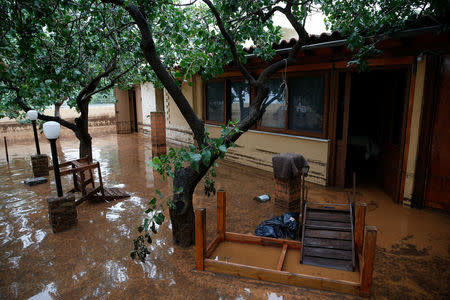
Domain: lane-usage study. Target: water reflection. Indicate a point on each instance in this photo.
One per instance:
(91, 260)
(46, 294)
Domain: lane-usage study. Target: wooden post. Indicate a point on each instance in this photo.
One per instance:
(221, 213)
(370, 242)
(200, 238)
(6, 150)
(360, 222)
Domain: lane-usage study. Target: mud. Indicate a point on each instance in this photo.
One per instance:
(92, 260)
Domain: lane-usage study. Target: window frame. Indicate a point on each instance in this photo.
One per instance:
(257, 126)
(286, 130)
(224, 97)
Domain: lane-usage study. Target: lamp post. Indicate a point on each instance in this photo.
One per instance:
(51, 131)
(32, 115)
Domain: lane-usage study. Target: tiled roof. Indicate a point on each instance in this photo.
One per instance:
(313, 39)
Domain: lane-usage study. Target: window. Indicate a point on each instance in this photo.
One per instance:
(240, 100)
(215, 103)
(306, 103)
(274, 107)
(293, 106)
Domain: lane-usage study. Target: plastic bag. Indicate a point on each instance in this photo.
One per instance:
(279, 227)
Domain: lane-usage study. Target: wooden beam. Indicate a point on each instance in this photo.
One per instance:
(301, 280)
(282, 257)
(370, 241)
(259, 240)
(407, 136)
(360, 222)
(212, 246)
(200, 238)
(221, 213)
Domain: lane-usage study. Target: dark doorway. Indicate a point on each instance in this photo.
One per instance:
(133, 111)
(376, 130)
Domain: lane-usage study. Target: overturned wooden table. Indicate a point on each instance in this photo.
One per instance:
(81, 181)
(277, 260)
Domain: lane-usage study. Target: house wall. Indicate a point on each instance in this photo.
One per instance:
(148, 104)
(254, 148)
(122, 111)
(415, 129)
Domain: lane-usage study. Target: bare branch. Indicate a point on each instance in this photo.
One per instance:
(231, 44)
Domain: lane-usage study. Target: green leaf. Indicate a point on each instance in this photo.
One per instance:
(222, 148)
(146, 224)
(153, 228)
(159, 218)
(206, 157)
(159, 193)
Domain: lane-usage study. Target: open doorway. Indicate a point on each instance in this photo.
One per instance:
(376, 129)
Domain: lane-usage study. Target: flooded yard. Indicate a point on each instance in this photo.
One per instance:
(91, 260)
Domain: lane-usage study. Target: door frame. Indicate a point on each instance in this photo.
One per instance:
(429, 113)
(405, 130)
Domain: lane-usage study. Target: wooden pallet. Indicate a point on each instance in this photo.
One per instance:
(327, 239)
(110, 194)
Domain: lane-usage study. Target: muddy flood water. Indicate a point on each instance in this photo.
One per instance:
(91, 260)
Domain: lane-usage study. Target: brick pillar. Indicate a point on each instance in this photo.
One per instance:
(288, 193)
(39, 163)
(158, 132)
(62, 212)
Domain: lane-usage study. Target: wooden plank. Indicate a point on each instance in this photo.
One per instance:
(259, 240)
(282, 257)
(212, 246)
(328, 263)
(351, 218)
(301, 280)
(303, 229)
(221, 213)
(328, 216)
(328, 234)
(200, 238)
(327, 224)
(370, 243)
(327, 243)
(328, 207)
(328, 253)
(360, 222)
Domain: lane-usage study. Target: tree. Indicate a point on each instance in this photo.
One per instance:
(220, 29)
(56, 51)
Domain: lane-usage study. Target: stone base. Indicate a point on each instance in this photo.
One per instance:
(62, 212)
(288, 194)
(39, 163)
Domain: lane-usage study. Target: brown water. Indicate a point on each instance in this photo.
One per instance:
(91, 260)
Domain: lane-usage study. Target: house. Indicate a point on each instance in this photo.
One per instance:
(389, 125)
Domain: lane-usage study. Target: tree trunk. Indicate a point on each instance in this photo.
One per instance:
(57, 110)
(84, 136)
(182, 217)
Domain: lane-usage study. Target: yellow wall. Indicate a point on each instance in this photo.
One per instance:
(254, 148)
(415, 128)
(177, 129)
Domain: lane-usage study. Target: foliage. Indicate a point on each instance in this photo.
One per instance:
(364, 23)
(51, 50)
(167, 166)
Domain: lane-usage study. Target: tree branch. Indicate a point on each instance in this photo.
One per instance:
(231, 44)
(150, 54)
